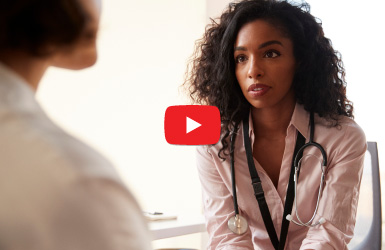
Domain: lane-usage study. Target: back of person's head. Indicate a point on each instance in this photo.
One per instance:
(38, 26)
(41, 28)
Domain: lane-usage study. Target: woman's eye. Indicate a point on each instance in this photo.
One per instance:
(272, 54)
(240, 59)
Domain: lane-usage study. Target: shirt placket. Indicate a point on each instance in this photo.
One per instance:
(278, 195)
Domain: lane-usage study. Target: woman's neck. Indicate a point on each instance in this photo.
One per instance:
(30, 68)
(272, 122)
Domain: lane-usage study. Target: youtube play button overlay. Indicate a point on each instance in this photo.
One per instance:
(192, 125)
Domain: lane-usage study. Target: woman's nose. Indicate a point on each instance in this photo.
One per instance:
(255, 70)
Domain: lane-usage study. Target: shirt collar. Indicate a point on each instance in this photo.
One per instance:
(299, 120)
(15, 92)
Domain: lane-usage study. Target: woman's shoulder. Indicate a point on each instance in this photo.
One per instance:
(342, 126)
(342, 136)
(213, 150)
(209, 150)
(354, 135)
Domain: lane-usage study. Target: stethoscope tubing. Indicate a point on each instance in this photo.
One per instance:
(309, 144)
(296, 177)
(234, 189)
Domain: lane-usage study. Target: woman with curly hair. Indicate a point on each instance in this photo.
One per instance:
(278, 83)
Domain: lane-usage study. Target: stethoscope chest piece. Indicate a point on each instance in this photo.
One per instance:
(237, 224)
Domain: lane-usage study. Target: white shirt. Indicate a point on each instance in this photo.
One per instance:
(56, 193)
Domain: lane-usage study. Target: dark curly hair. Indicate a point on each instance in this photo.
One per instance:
(34, 26)
(319, 81)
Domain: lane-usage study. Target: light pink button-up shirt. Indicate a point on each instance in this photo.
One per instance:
(345, 147)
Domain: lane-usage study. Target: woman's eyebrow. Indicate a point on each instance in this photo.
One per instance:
(265, 44)
(240, 48)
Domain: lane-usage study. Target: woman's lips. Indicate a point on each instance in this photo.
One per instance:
(256, 90)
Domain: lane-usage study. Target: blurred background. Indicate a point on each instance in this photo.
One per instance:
(118, 105)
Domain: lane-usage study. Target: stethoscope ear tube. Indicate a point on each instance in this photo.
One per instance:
(320, 222)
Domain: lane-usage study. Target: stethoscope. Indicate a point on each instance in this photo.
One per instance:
(238, 224)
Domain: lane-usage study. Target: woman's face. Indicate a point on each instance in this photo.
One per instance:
(264, 65)
(82, 53)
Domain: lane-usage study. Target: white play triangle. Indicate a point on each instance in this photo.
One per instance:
(191, 125)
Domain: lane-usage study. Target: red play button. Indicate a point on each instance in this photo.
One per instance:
(192, 125)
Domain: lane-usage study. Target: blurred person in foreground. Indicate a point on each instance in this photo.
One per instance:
(55, 191)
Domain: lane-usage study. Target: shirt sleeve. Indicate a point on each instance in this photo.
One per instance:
(338, 204)
(218, 206)
(98, 214)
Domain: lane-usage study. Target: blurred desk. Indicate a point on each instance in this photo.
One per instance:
(181, 226)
